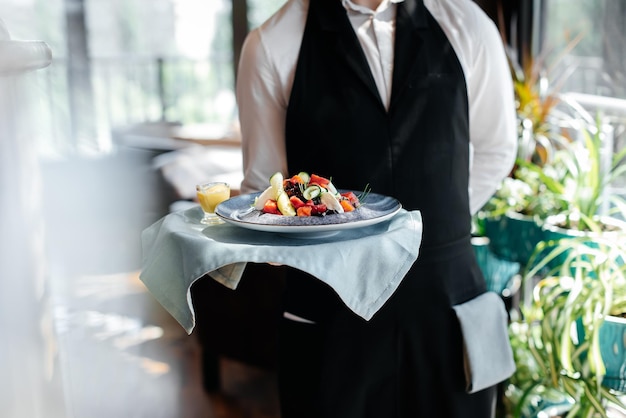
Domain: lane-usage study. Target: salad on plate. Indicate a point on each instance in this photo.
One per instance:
(305, 195)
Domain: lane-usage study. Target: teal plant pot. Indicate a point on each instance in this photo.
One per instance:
(612, 336)
(498, 273)
(541, 402)
(613, 351)
(552, 231)
(513, 237)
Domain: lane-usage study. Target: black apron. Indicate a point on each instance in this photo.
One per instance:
(407, 360)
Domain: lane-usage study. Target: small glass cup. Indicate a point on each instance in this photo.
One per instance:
(210, 195)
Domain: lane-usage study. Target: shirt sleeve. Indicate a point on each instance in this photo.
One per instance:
(262, 111)
(493, 124)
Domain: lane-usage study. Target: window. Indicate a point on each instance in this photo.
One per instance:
(597, 63)
(131, 61)
(593, 71)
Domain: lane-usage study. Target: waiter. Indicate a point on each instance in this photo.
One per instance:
(414, 98)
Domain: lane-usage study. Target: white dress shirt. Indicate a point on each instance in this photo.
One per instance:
(375, 30)
(267, 67)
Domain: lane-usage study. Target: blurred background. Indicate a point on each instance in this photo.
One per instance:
(110, 131)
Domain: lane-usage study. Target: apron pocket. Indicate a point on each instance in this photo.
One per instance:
(488, 357)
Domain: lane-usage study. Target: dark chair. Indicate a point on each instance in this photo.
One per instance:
(238, 324)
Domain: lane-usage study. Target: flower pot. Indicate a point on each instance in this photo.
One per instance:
(513, 237)
(612, 337)
(554, 231)
(499, 274)
(613, 351)
(541, 402)
(554, 228)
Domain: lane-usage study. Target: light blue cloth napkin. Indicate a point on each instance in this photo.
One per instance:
(488, 354)
(363, 265)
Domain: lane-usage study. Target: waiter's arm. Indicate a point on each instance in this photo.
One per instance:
(493, 125)
(262, 112)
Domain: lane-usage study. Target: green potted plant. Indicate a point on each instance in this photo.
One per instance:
(512, 219)
(559, 198)
(589, 209)
(567, 340)
(585, 184)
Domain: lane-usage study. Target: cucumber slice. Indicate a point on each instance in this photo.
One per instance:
(264, 197)
(284, 205)
(311, 192)
(304, 176)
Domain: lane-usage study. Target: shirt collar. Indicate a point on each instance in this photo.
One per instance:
(349, 5)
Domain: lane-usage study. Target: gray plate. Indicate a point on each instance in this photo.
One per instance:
(238, 211)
